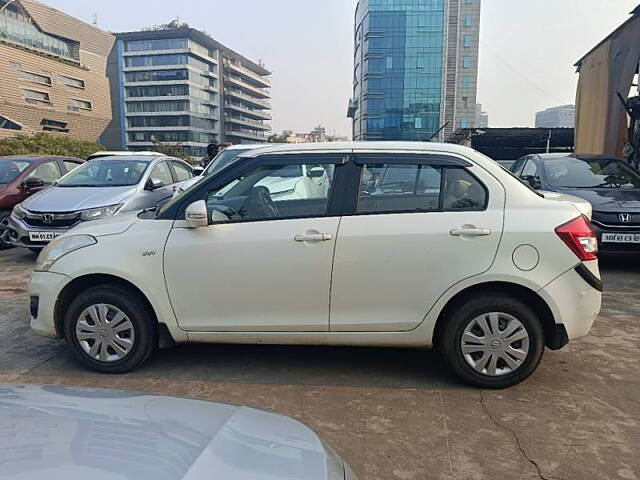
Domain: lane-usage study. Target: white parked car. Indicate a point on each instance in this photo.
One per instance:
(411, 245)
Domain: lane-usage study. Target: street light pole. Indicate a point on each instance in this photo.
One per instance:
(7, 4)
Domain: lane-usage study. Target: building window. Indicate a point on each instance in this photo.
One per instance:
(466, 62)
(466, 82)
(464, 123)
(49, 125)
(157, 76)
(77, 105)
(389, 63)
(34, 77)
(9, 124)
(159, 44)
(467, 41)
(33, 97)
(468, 21)
(72, 82)
(468, 2)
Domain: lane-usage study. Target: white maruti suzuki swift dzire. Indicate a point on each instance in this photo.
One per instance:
(378, 244)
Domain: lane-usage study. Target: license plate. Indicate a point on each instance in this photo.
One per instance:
(43, 236)
(621, 237)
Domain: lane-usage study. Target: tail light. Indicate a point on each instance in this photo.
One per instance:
(580, 238)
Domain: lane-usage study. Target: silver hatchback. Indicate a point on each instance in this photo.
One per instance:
(99, 188)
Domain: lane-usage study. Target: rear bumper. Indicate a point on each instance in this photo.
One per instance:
(574, 302)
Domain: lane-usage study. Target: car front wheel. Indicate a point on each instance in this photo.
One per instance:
(492, 341)
(110, 329)
(4, 231)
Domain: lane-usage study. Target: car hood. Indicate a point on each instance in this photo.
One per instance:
(67, 433)
(581, 204)
(106, 226)
(608, 199)
(70, 199)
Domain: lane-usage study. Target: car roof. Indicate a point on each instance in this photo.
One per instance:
(551, 156)
(122, 154)
(246, 146)
(419, 147)
(130, 158)
(38, 157)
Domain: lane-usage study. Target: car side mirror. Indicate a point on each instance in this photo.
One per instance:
(33, 182)
(316, 172)
(153, 184)
(197, 171)
(196, 214)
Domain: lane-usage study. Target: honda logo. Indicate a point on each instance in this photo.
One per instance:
(47, 218)
(624, 217)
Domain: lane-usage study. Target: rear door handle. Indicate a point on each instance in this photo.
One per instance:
(470, 232)
(313, 237)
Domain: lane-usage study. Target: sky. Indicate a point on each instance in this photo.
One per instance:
(527, 49)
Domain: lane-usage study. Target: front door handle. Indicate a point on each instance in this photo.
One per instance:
(313, 237)
(470, 232)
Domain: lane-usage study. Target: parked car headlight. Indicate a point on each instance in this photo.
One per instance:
(19, 212)
(60, 247)
(96, 213)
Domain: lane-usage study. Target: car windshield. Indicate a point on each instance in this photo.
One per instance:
(571, 172)
(223, 159)
(11, 169)
(106, 173)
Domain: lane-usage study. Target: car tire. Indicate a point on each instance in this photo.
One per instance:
(4, 222)
(122, 346)
(469, 344)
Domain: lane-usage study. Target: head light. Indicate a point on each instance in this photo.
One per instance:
(96, 213)
(60, 247)
(18, 211)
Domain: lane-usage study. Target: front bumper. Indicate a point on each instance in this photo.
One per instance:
(19, 233)
(574, 302)
(44, 291)
(612, 248)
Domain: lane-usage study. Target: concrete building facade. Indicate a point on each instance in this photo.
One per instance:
(415, 68)
(52, 72)
(179, 87)
(557, 117)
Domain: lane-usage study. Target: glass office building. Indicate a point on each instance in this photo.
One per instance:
(182, 88)
(404, 57)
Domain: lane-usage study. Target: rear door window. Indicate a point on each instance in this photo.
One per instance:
(49, 172)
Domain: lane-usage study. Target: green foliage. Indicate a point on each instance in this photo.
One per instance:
(277, 138)
(44, 144)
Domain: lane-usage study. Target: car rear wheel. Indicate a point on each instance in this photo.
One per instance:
(4, 231)
(110, 329)
(492, 341)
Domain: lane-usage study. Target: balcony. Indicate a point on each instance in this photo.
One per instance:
(253, 102)
(247, 111)
(248, 134)
(256, 124)
(245, 87)
(251, 76)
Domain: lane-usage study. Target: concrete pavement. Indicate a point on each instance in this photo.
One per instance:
(397, 414)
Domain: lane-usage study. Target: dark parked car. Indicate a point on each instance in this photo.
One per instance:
(22, 176)
(610, 185)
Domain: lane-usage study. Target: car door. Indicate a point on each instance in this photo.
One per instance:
(421, 224)
(264, 262)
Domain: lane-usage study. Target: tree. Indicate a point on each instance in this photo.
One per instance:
(45, 144)
(275, 138)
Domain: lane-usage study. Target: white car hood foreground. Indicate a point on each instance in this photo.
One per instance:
(56, 432)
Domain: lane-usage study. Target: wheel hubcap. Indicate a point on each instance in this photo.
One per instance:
(495, 344)
(105, 333)
(4, 230)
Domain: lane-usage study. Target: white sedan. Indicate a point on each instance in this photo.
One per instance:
(404, 245)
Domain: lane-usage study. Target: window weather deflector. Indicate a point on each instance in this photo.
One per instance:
(410, 158)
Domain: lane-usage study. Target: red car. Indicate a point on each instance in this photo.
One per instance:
(22, 176)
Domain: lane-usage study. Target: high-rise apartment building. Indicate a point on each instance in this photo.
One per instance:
(52, 72)
(557, 117)
(178, 86)
(415, 68)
